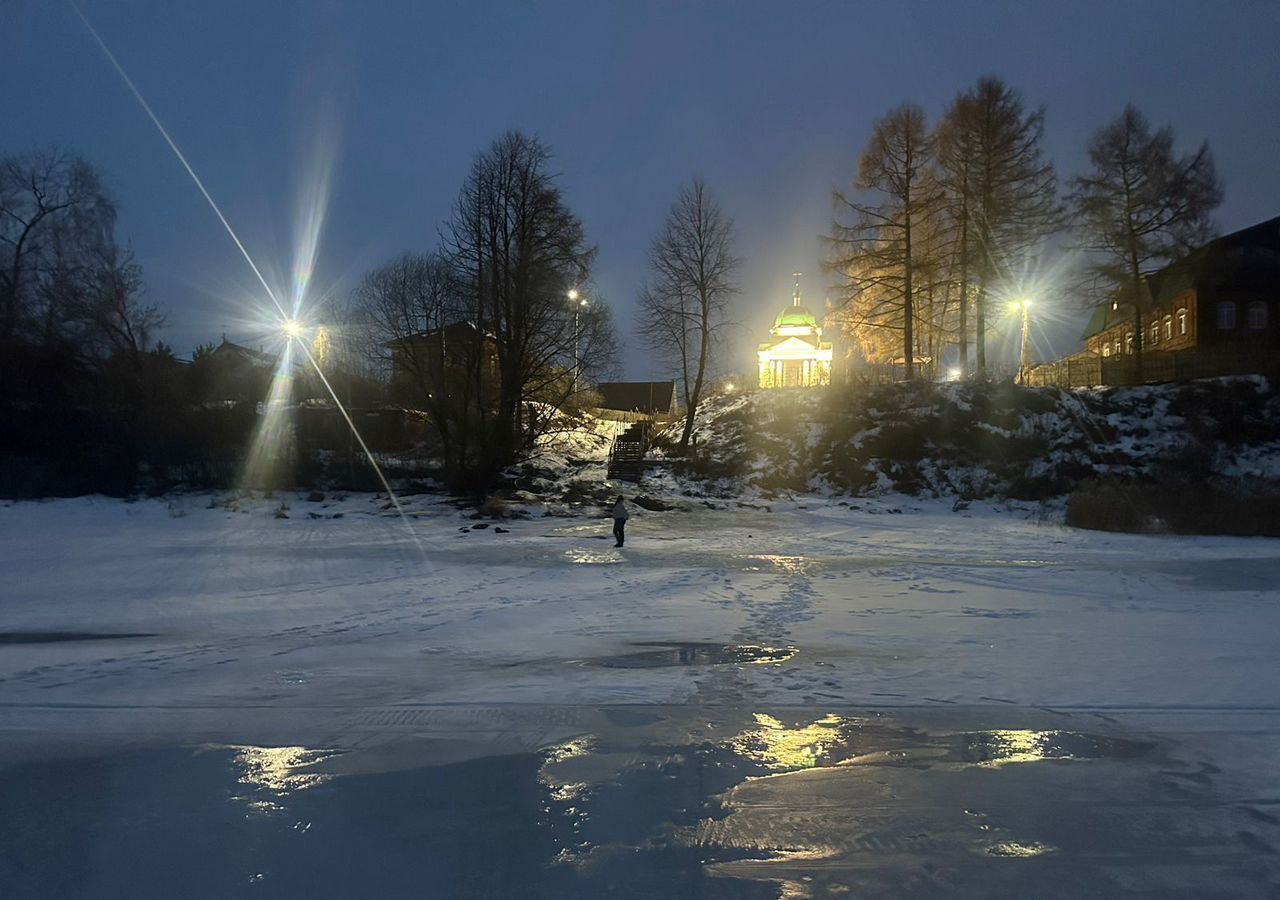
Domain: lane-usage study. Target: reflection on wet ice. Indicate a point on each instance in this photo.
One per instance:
(277, 768)
(782, 749)
(841, 741)
(559, 790)
(997, 748)
(791, 565)
(1015, 850)
(582, 556)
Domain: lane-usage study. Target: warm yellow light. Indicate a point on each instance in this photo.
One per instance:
(573, 293)
(729, 388)
(292, 328)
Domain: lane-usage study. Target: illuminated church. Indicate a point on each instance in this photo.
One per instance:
(795, 355)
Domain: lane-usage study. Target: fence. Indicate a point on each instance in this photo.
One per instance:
(1088, 370)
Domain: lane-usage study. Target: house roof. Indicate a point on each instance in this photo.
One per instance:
(795, 317)
(453, 328)
(244, 354)
(1183, 274)
(1104, 318)
(638, 396)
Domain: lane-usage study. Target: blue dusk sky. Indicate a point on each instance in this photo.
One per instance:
(770, 102)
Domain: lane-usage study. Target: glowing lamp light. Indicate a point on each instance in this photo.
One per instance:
(292, 328)
(573, 293)
(728, 388)
(955, 374)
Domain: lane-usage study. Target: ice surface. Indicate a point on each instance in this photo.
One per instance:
(224, 625)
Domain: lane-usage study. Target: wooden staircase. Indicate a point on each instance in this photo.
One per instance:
(626, 456)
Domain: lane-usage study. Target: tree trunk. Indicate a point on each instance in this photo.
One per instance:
(908, 308)
(964, 296)
(704, 345)
(980, 326)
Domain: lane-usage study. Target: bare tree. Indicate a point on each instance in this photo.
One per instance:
(516, 251)
(485, 337)
(1141, 206)
(1003, 192)
(684, 304)
(64, 281)
(878, 254)
(55, 216)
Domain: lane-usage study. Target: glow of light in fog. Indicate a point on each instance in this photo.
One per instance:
(391, 495)
(142, 101)
(272, 431)
(271, 435)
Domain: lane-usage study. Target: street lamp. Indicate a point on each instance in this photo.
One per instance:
(579, 303)
(292, 328)
(1023, 306)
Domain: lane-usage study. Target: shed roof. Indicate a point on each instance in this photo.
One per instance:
(638, 396)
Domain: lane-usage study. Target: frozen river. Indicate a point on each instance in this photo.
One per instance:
(892, 699)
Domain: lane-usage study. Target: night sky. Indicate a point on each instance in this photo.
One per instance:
(771, 102)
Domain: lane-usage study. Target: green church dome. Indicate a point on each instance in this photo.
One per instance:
(795, 317)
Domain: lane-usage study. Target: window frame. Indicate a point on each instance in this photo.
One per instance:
(1225, 315)
(1259, 322)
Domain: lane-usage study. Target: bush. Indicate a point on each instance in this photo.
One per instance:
(1245, 507)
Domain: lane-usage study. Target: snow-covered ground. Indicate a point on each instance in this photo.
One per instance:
(171, 620)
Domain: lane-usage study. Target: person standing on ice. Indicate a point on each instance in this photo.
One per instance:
(620, 516)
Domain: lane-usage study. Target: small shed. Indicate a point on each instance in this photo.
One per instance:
(651, 398)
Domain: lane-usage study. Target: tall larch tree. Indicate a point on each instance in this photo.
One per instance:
(1140, 206)
(878, 253)
(1002, 191)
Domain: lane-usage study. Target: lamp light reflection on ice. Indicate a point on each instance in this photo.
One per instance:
(782, 749)
(281, 769)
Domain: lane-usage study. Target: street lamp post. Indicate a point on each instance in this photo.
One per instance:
(1024, 360)
(578, 303)
(1023, 308)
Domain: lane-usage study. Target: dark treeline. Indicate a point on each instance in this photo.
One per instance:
(91, 400)
(945, 220)
(488, 337)
(82, 373)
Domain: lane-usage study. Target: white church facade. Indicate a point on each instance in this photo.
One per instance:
(795, 354)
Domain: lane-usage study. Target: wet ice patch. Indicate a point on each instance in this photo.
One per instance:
(57, 637)
(1021, 745)
(582, 556)
(665, 655)
(832, 740)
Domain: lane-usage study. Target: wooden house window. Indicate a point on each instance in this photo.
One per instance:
(1128, 343)
(1226, 315)
(1182, 320)
(1106, 350)
(1258, 314)
(1155, 332)
(1168, 328)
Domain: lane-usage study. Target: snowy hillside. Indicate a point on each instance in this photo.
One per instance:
(978, 440)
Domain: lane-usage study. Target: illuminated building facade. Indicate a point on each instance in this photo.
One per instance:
(795, 355)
